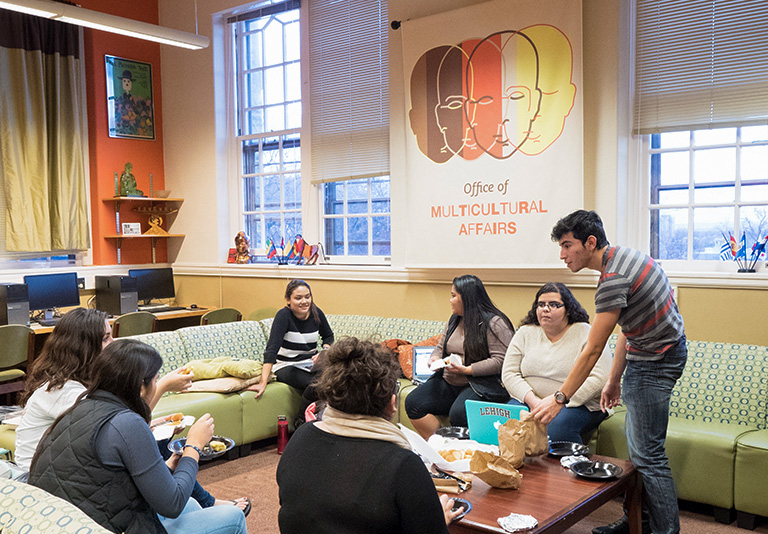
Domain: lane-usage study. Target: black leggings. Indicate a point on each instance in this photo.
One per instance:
(299, 379)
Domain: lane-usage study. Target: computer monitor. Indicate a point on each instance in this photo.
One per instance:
(154, 283)
(49, 291)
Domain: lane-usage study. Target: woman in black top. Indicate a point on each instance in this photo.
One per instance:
(292, 346)
(354, 471)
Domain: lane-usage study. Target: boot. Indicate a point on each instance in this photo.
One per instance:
(620, 527)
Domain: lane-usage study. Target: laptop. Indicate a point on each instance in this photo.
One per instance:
(485, 418)
(421, 370)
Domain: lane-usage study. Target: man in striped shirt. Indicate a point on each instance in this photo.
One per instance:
(634, 293)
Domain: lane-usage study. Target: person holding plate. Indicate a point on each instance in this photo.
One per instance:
(104, 441)
(478, 333)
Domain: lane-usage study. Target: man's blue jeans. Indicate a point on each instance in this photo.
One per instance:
(571, 423)
(647, 388)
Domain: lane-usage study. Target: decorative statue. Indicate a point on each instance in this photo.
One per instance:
(128, 183)
(242, 247)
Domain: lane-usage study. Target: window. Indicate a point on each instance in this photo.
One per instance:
(701, 109)
(350, 172)
(705, 186)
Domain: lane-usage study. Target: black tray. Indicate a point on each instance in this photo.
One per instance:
(456, 432)
(567, 448)
(596, 470)
(458, 502)
(177, 446)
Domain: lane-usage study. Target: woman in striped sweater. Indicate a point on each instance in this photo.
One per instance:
(292, 346)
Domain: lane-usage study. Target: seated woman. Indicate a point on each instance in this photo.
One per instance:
(479, 333)
(104, 441)
(354, 471)
(541, 355)
(62, 373)
(292, 346)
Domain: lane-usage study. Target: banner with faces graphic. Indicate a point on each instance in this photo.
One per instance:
(494, 131)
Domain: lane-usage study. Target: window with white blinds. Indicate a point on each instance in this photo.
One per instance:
(700, 64)
(349, 87)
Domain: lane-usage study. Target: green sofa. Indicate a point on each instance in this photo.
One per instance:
(717, 441)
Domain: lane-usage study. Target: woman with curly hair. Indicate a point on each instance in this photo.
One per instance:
(479, 333)
(541, 355)
(364, 476)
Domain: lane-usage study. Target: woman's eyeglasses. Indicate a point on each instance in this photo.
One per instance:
(550, 305)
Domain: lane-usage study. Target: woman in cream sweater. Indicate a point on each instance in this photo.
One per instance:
(541, 355)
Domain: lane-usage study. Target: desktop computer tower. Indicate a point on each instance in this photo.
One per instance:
(116, 295)
(14, 304)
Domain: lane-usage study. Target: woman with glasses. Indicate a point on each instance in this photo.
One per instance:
(541, 355)
(354, 471)
(479, 334)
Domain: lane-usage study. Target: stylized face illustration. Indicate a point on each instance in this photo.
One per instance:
(127, 85)
(558, 93)
(450, 111)
(504, 97)
(424, 99)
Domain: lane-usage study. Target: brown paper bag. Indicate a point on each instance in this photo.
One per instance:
(512, 442)
(494, 470)
(536, 435)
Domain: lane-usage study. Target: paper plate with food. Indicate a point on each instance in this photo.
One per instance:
(166, 427)
(215, 448)
(448, 454)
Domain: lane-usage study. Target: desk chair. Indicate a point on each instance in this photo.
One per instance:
(133, 324)
(18, 349)
(221, 315)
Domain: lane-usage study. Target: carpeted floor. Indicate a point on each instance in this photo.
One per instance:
(254, 477)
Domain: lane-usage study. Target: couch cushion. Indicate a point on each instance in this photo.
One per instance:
(722, 382)
(225, 408)
(359, 326)
(412, 330)
(243, 339)
(26, 508)
(170, 347)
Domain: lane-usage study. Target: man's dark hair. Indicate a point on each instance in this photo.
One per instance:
(582, 224)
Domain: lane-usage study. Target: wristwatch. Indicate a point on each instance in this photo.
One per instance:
(561, 398)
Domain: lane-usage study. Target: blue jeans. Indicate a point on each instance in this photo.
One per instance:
(213, 520)
(570, 423)
(647, 388)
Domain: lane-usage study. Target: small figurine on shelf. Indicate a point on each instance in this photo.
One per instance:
(242, 247)
(128, 183)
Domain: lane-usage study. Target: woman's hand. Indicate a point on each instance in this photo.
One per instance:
(201, 432)
(173, 461)
(257, 388)
(546, 410)
(448, 511)
(459, 369)
(178, 380)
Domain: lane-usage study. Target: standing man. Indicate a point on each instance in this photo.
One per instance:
(633, 292)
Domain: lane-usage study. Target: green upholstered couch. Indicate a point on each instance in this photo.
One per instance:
(717, 441)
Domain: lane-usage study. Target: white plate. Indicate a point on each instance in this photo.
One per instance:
(166, 430)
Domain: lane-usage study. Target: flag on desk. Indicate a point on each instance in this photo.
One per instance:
(725, 252)
(271, 250)
(742, 253)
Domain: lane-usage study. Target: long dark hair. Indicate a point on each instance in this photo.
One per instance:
(574, 311)
(122, 368)
(68, 352)
(359, 377)
(291, 287)
(479, 309)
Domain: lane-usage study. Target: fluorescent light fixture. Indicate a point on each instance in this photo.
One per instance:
(106, 22)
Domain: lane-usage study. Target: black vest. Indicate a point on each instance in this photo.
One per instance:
(67, 465)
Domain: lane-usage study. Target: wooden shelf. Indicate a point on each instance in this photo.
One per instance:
(146, 208)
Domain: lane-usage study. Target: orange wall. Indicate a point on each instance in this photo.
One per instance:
(109, 155)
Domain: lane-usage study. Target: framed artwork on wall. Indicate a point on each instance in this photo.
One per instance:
(130, 107)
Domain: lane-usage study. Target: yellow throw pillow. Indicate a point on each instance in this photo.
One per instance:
(223, 367)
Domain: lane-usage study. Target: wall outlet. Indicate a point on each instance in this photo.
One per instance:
(81, 283)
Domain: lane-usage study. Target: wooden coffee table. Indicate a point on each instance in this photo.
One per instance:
(556, 497)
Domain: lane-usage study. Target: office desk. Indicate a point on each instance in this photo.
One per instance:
(166, 321)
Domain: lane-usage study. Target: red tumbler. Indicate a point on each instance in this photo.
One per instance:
(282, 433)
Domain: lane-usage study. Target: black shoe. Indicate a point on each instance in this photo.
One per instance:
(618, 527)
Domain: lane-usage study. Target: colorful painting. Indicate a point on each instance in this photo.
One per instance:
(130, 108)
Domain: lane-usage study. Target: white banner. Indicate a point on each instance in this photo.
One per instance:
(494, 132)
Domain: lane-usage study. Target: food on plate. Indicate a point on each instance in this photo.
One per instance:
(217, 446)
(452, 455)
(185, 370)
(176, 419)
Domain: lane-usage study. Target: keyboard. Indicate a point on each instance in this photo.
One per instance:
(161, 308)
(48, 322)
